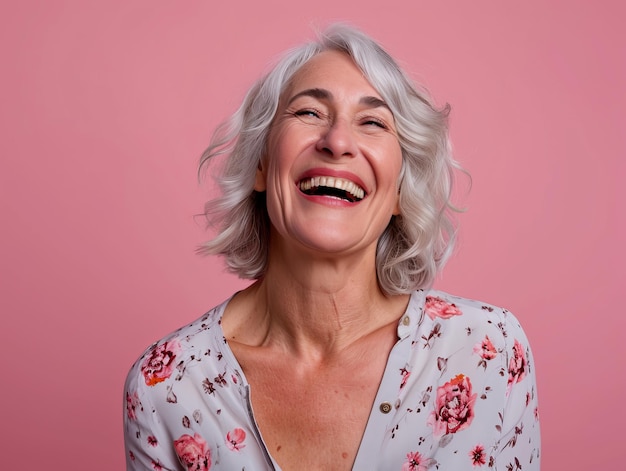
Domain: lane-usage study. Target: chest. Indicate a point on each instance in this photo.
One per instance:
(316, 416)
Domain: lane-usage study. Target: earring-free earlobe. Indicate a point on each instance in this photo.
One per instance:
(396, 210)
(259, 179)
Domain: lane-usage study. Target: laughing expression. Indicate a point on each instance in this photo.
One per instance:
(333, 161)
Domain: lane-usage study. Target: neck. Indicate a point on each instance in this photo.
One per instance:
(317, 311)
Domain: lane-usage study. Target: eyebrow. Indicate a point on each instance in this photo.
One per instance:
(322, 94)
(318, 93)
(373, 102)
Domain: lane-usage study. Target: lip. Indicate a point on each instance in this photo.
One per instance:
(328, 172)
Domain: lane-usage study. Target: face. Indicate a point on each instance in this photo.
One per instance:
(333, 160)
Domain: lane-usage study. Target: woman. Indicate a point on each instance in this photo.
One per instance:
(335, 200)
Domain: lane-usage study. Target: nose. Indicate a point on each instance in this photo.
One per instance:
(338, 140)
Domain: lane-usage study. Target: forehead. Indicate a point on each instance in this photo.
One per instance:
(331, 70)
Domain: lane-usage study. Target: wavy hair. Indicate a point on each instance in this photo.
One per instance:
(415, 244)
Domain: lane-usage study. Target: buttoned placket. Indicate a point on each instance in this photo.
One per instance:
(388, 399)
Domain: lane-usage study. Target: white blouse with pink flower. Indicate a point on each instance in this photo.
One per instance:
(458, 393)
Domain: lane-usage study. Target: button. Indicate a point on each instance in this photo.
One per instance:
(406, 320)
(385, 407)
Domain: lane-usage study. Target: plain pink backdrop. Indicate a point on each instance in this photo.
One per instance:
(106, 107)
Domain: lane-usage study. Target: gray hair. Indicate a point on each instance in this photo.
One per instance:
(415, 244)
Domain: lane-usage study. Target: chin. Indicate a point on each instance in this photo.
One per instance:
(334, 242)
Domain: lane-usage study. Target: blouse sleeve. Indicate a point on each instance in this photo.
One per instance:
(518, 446)
(146, 439)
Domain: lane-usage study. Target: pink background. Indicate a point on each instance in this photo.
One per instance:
(106, 107)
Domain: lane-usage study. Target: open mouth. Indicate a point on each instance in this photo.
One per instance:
(332, 187)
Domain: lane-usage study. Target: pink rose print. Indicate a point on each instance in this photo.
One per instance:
(405, 376)
(437, 307)
(477, 455)
(235, 438)
(159, 364)
(193, 452)
(416, 462)
(132, 402)
(485, 349)
(517, 366)
(454, 406)
(413, 462)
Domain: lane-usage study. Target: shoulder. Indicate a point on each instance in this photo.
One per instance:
(174, 395)
(477, 336)
(472, 372)
(159, 362)
(474, 314)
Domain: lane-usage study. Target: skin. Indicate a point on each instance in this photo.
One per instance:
(313, 335)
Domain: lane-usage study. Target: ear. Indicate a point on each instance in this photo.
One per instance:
(259, 179)
(396, 209)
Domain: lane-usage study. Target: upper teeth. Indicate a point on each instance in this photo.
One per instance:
(332, 182)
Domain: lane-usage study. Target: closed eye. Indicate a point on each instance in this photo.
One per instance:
(375, 122)
(307, 113)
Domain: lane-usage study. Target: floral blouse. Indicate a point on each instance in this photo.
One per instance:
(458, 393)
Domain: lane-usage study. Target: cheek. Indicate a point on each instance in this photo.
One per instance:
(391, 167)
(276, 181)
(395, 179)
(269, 167)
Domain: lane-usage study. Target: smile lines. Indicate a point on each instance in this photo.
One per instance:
(332, 186)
